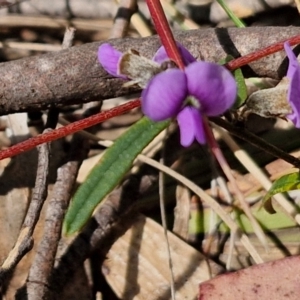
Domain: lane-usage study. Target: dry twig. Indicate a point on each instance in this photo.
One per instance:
(25, 241)
(75, 75)
(38, 279)
(122, 19)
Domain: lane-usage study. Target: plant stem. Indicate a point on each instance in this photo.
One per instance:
(246, 59)
(68, 129)
(215, 149)
(256, 141)
(164, 31)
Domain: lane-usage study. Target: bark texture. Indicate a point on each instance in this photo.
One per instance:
(75, 76)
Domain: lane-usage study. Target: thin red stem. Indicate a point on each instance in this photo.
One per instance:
(172, 51)
(218, 154)
(68, 129)
(164, 31)
(246, 59)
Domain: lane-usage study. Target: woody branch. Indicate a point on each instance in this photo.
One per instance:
(74, 75)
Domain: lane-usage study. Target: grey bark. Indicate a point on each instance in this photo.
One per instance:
(75, 76)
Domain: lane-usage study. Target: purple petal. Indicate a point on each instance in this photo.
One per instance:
(293, 62)
(161, 55)
(191, 126)
(293, 74)
(294, 98)
(164, 95)
(213, 85)
(109, 58)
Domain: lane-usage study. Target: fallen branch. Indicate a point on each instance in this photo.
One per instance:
(74, 75)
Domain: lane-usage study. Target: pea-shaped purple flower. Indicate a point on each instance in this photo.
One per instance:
(131, 65)
(201, 89)
(293, 95)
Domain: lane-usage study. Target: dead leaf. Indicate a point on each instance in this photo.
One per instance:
(137, 264)
(273, 280)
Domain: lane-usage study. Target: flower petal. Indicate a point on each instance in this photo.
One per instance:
(191, 126)
(109, 58)
(293, 62)
(164, 95)
(294, 98)
(293, 74)
(213, 86)
(161, 55)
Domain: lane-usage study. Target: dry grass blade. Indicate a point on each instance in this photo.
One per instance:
(182, 213)
(209, 201)
(164, 223)
(256, 171)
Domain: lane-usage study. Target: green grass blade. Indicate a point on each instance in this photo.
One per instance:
(237, 22)
(111, 168)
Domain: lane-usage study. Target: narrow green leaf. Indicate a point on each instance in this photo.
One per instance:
(237, 22)
(240, 81)
(242, 88)
(114, 164)
(283, 184)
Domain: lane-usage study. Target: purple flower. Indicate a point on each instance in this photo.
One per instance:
(293, 74)
(110, 59)
(202, 88)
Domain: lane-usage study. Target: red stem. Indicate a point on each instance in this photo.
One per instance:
(169, 43)
(164, 31)
(246, 59)
(68, 129)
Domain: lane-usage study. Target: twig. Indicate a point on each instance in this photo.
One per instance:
(25, 242)
(256, 141)
(38, 279)
(165, 227)
(56, 23)
(35, 83)
(30, 46)
(68, 38)
(122, 19)
(100, 232)
(42, 265)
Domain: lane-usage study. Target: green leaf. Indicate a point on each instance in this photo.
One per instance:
(237, 22)
(283, 184)
(240, 81)
(242, 88)
(111, 168)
